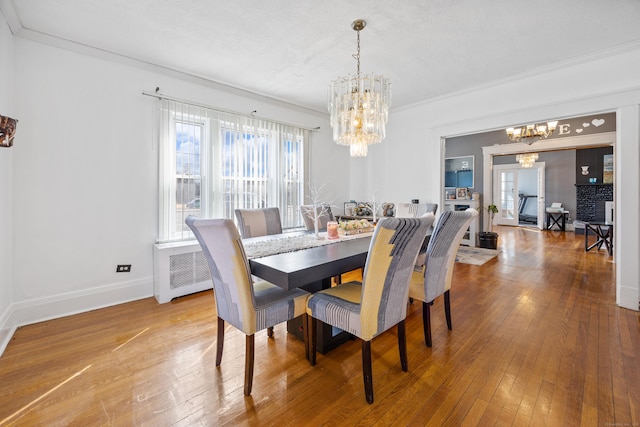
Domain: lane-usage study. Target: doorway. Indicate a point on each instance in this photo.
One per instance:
(519, 194)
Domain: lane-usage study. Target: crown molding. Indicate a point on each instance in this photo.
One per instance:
(536, 72)
(9, 11)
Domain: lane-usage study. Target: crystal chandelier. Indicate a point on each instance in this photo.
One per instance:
(532, 133)
(527, 159)
(359, 106)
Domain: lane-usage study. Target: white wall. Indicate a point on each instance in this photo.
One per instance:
(6, 187)
(412, 153)
(85, 174)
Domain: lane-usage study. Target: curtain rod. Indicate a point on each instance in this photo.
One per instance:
(220, 110)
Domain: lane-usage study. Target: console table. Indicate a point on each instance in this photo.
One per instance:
(558, 218)
(604, 236)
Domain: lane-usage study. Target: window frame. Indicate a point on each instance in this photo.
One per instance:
(213, 201)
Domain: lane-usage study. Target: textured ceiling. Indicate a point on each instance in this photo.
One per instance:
(290, 50)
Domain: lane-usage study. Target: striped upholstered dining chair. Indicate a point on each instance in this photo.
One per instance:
(249, 306)
(435, 266)
(324, 215)
(415, 210)
(258, 222)
(368, 308)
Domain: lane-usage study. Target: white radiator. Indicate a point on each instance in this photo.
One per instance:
(179, 269)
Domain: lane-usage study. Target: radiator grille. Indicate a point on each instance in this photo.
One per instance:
(187, 269)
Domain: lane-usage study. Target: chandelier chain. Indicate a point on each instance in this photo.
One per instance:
(358, 55)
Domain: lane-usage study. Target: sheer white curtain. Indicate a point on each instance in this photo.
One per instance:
(213, 162)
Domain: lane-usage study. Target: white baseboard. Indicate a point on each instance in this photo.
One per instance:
(7, 329)
(52, 307)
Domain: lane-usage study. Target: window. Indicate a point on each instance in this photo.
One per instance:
(213, 162)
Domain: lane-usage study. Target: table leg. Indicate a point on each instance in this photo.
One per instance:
(602, 237)
(586, 237)
(608, 240)
(327, 337)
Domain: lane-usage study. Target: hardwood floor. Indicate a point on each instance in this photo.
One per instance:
(537, 340)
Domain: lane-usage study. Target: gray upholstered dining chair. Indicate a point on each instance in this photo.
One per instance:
(435, 267)
(258, 222)
(368, 308)
(415, 210)
(324, 215)
(249, 306)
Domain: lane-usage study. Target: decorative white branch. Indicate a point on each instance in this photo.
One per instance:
(319, 208)
(374, 204)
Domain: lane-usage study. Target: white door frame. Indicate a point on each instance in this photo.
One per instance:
(498, 170)
(597, 139)
(540, 192)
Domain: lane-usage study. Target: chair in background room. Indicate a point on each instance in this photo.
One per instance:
(248, 306)
(258, 222)
(436, 265)
(324, 215)
(368, 308)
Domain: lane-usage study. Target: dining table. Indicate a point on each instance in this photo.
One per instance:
(309, 268)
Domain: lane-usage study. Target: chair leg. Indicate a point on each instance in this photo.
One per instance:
(402, 345)
(366, 370)
(220, 343)
(270, 331)
(447, 308)
(248, 364)
(426, 322)
(305, 334)
(312, 340)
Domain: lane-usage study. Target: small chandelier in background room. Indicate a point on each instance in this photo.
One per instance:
(359, 106)
(532, 133)
(527, 159)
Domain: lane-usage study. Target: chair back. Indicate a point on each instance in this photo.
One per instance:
(230, 270)
(258, 222)
(414, 210)
(387, 272)
(442, 250)
(430, 207)
(324, 215)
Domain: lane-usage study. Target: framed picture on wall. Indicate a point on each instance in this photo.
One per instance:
(462, 193)
(607, 169)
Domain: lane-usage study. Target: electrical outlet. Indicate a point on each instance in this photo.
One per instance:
(123, 268)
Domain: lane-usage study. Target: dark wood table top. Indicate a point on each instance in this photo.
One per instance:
(295, 269)
(599, 223)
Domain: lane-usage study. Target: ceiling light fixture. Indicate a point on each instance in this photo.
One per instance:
(532, 133)
(527, 159)
(359, 106)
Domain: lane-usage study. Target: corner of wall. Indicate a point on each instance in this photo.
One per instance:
(7, 329)
(51, 307)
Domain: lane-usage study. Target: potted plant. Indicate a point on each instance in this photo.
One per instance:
(489, 239)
